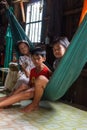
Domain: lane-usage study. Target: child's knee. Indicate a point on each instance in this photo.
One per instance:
(42, 78)
(41, 81)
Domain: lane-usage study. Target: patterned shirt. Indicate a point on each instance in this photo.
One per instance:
(28, 61)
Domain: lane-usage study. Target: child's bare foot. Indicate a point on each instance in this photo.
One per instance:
(30, 108)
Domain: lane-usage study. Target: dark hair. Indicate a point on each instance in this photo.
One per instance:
(61, 40)
(22, 41)
(18, 44)
(38, 51)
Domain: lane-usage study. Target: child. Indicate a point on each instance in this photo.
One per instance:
(59, 48)
(25, 61)
(39, 77)
(26, 65)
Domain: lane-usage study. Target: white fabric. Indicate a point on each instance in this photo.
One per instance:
(29, 65)
(11, 79)
(14, 78)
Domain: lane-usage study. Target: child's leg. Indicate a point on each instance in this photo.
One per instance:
(20, 81)
(17, 97)
(40, 85)
(20, 89)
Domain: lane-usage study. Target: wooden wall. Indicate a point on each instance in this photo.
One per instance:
(72, 12)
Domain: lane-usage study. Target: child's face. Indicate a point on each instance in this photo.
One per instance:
(38, 60)
(23, 48)
(58, 50)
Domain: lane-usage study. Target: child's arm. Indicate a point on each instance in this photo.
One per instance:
(23, 67)
(50, 72)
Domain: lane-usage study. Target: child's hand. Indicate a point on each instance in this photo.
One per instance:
(23, 66)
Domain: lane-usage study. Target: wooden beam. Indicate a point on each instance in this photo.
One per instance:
(15, 1)
(73, 11)
(21, 6)
(22, 11)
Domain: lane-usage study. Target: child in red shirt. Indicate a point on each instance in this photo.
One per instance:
(39, 77)
(34, 74)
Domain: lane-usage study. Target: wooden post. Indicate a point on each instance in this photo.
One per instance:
(22, 11)
(22, 7)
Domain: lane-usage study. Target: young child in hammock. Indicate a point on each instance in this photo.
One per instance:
(60, 46)
(26, 64)
(39, 77)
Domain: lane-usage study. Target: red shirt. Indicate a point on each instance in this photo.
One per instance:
(33, 74)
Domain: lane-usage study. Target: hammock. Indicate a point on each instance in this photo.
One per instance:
(9, 46)
(17, 30)
(17, 33)
(71, 64)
